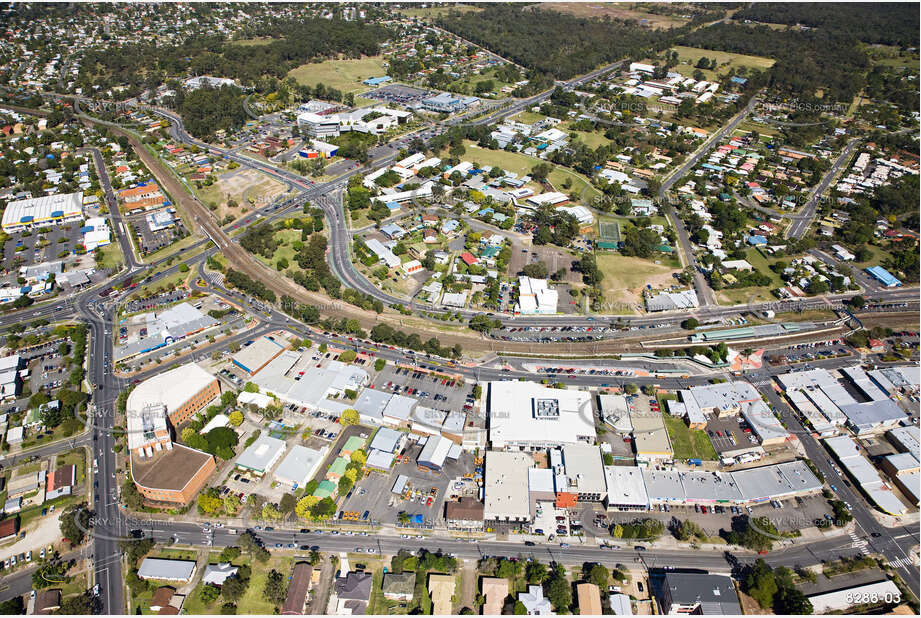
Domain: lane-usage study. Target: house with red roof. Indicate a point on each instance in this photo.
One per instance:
(468, 258)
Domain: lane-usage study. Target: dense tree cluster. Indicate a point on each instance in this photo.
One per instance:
(295, 42)
(568, 45)
(870, 22)
(243, 282)
(207, 110)
(806, 61)
(774, 589)
(383, 333)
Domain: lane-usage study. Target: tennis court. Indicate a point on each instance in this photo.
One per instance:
(609, 231)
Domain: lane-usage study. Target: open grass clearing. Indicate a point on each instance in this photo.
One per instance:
(345, 74)
(528, 117)
(437, 10)
(254, 42)
(522, 165)
(111, 256)
(615, 10)
(688, 443)
(625, 278)
(688, 57)
(252, 601)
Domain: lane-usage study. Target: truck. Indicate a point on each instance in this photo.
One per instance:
(695, 462)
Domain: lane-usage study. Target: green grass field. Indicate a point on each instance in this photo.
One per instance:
(522, 165)
(528, 117)
(688, 443)
(111, 256)
(345, 75)
(725, 61)
(467, 83)
(252, 601)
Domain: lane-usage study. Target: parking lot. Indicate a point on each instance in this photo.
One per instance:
(729, 434)
(432, 390)
(374, 493)
(396, 93)
(150, 240)
(33, 247)
(48, 371)
(791, 514)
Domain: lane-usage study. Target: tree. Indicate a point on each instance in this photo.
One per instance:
(558, 590)
(12, 607)
(536, 573)
(131, 496)
(249, 387)
(209, 594)
(303, 506)
(231, 504)
(276, 588)
(690, 324)
(234, 587)
(209, 505)
(858, 302)
(79, 605)
(519, 609)
(230, 553)
(49, 574)
(599, 575)
(236, 418)
(74, 522)
(349, 417)
(536, 270)
(359, 457)
(270, 512)
(380, 363)
(348, 356)
(287, 504)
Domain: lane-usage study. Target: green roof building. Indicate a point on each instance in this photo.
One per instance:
(325, 489)
(337, 469)
(352, 444)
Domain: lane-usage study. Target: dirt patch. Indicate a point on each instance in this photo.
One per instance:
(249, 188)
(616, 11)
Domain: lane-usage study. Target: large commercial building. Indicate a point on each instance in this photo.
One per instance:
(172, 476)
(864, 474)
(257, 355)
(506, 487)
(528, 416)
(34, 212)
(183, 391)
(313, 388)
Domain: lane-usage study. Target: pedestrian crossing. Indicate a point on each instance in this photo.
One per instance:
(859, 543)
(765, 382)
(899, 563)
(216, 279)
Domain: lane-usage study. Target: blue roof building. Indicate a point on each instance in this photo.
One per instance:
(376, 81)
(884, 276)
(757, 240)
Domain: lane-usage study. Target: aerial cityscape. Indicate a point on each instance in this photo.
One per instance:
(460, 308)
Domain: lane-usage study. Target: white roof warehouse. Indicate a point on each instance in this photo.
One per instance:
(35, 211)
(528, 416)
